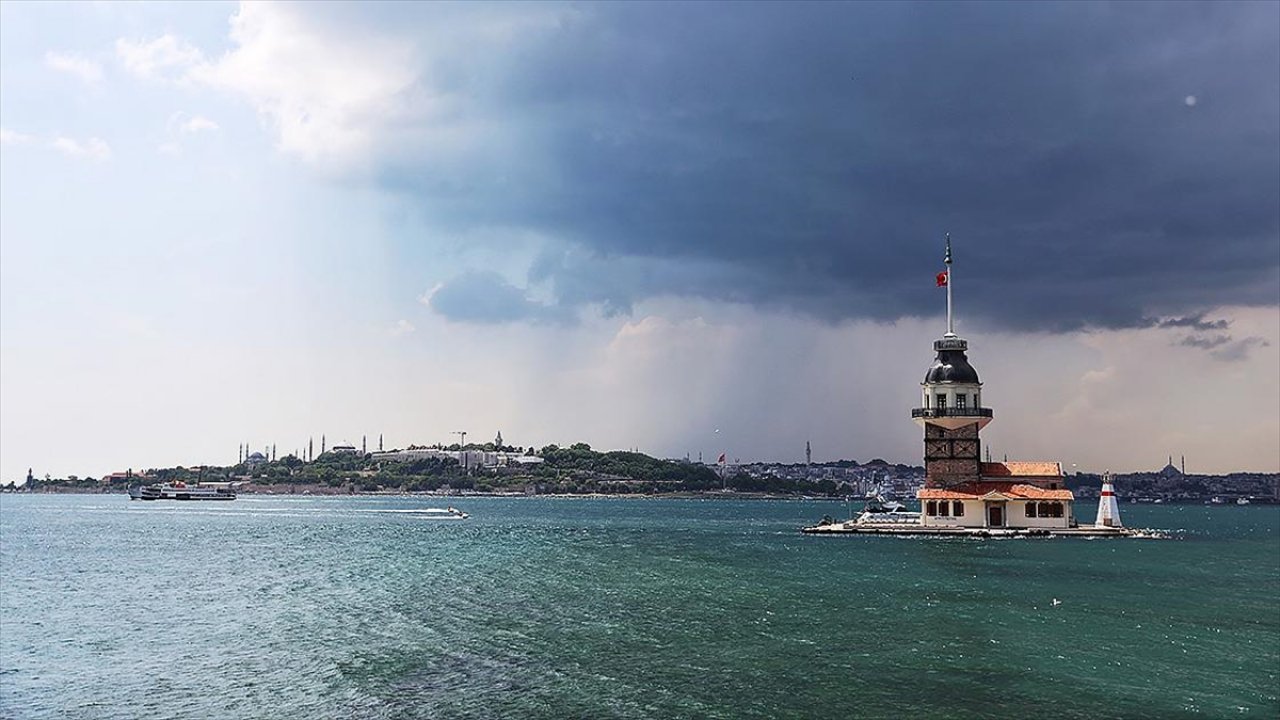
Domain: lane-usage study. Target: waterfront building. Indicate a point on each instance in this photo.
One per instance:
(960, 490)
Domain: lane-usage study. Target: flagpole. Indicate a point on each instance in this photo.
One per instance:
(951, 328)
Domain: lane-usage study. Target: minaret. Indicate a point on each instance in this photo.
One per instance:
(951, 408)
(322, 444)
(379, 442)
(364, 447)
(808, 454)
(311, 449)
(1108, 508)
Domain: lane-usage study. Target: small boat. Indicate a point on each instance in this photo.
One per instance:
(1242, 501)
(449, 513)
(182, 491)
(878, 511)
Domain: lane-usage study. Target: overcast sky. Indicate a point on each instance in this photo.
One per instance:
(682, 228)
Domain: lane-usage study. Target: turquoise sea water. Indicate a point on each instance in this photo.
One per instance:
(337, 607)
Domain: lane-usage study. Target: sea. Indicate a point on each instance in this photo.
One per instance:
(364, 607)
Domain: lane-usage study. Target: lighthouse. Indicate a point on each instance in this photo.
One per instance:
(1108, 508)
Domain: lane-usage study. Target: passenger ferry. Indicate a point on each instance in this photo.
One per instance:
(182, 491)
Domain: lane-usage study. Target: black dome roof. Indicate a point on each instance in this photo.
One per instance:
(951, 365)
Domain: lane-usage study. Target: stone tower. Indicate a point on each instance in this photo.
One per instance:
(951, 408)
(952, 414)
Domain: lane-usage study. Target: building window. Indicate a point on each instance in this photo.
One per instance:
(942, 401)
(957, 508)
(1050, 509)
(1031, 510)
(931, 508)
(961, 400)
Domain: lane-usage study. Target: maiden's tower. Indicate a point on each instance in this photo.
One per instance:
(962, 495)
(960, 490)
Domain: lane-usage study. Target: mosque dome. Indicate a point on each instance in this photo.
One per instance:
(951, 365)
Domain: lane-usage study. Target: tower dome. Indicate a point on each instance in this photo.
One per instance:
(951, 394)
(951, 365)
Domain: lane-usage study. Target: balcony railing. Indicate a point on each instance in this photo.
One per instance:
(943, 412)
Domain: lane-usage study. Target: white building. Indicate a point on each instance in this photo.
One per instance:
(1013, 494)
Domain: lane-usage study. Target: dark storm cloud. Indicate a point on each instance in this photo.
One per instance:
(1238, 349)
(1195, 322)
(486, 297)
(1205, 342)
(1097, 164)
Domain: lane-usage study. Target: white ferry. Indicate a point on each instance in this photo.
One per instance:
(182, 491)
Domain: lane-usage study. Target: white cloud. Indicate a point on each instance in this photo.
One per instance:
(86, 70)
(91, 149)
(11, 137)
(156, 58)
(401, 328)
(325, 93)
(198, 123)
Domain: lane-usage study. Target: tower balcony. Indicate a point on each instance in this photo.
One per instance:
(953, 417)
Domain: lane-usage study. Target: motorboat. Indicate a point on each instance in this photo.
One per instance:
(879, 511)
(449, 513)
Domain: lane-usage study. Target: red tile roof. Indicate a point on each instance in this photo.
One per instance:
(979, 490)
(1021, 469)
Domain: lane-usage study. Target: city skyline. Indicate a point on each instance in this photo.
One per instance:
(672, 228)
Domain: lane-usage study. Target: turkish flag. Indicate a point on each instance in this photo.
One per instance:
(942, 279)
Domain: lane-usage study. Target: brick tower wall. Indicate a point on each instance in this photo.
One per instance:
(951, 457)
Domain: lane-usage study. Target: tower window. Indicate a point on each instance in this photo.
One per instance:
(961, 400)
(942, 401)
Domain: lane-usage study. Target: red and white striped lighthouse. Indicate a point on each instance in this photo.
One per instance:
(1108, 508)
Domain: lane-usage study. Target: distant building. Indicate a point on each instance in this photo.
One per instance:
(1170, 471)
(255, 458)
(344, 449)
(465, 458)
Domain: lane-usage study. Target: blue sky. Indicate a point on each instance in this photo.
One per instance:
(635, 225)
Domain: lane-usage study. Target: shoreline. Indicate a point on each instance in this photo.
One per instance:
(325, 492)
(336, 492)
